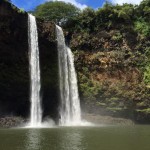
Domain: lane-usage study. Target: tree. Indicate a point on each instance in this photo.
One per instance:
(144, 10)
(87, 18)
(57, 11)
(84, 21)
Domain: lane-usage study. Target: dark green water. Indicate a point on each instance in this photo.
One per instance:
(77, 138)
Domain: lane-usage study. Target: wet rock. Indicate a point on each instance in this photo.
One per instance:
(9, 122)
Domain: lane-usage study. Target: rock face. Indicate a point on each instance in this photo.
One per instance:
(14, 63)
(110, 76)
(8, 122)
(49, 68)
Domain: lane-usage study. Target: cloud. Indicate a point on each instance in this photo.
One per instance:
(126, 1)
(74, 2)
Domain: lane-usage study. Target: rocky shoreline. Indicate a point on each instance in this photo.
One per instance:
(9, 122)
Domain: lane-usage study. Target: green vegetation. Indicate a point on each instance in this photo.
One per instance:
(109, 16)
(147, 66)
(143, 28)
(117, 37)
(21, 10)
(58, 12)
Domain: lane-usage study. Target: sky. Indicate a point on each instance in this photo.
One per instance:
(31, 4)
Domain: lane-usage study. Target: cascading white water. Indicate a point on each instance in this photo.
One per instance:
(35, 111)
(70, 112)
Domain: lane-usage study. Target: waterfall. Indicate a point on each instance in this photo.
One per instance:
(70, 113)
(35, 110)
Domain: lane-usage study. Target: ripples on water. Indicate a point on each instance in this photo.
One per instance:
(59, 139)
(77, 138)
(33, 139)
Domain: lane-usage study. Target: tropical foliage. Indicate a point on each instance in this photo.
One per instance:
(56, 11)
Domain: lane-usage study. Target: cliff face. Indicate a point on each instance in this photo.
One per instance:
(14, 63)
(49, 68)
(110, 75)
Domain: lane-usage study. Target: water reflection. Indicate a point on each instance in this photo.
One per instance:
(33, 139)
(105, 138)
(72, 140)
(55, 139)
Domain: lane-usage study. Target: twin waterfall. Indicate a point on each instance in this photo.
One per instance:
(70, 113)
(35, 85)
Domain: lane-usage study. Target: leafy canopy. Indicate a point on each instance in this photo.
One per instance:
(56, 11)
(136, 17)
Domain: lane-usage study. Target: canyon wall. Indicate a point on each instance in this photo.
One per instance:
(14, 63)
